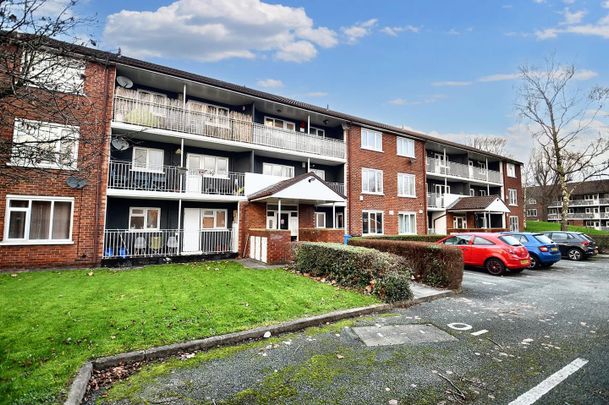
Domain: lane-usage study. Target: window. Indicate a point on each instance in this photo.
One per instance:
(215, 166)
(44, 145)
(514, 226)
(213, 114)
(407, 223)
(372, 140)
(521, 238)
(511, 240)
(513, 196)
(38, 219)
(317, 132)
(532, 201)
(458, 240)
(213, 219)
(147, 159)
(406, 185)
(472, 192)
(482, 193)
(405, 147)
(532, 212)
(281, 124)
(320, 173)
(482, 167)
(154, 102)
(511, 170)
(459, 222)
(54, 72)
(273, 169)
(320, 220)
(340, 220)
(144, 219)
(372, 222)
(372, 181)
(482, 241)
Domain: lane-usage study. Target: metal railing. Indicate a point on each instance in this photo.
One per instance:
(435, 200)
(132, 111)
(436, 166)
(125, 243)
(337, 187)
(577, 215)
(579, 203)
(124, 176)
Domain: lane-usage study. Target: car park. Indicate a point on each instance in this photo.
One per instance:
(573, 245)
(495, 252)
(543, 251)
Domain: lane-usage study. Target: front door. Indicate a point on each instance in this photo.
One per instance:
(294, 227)
(194, 180)
(192, 230)
(440, 163)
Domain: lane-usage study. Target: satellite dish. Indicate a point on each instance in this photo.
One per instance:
(124, 82)
(76, 182)
(120, 143)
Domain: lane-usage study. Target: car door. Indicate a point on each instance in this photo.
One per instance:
(481, 249)
(562, 240)
(462, 242)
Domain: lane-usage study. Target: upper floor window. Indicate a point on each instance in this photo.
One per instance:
(273, 169)
(513, 196)
(151, 103)
(147, 159)
(44, 145)
(532, 201)
(590, 197)
(406, 185)
(472, 192)
(38, 219)
(317, 131)
(532, 212)
(482, 192)
(372, 181)
(320, 173)
(511, 170)
(53, 72)
(405, 147)
(212, 114)
(207, 165)
(144, 218)
(278, 123)
(372, 140)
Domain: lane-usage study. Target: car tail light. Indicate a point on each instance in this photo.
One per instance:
(585, 243)
(543, 248)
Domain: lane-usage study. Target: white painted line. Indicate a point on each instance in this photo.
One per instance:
(459, 326)
(546, 385)
(480, 332)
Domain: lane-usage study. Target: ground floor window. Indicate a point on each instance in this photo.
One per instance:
(320, 220)
(144, 218)
(38, 219)
(514, 227)
(459, 222)
(407, 223)
(372, 222)
(340, 222)
(213, 219)
(532, 212)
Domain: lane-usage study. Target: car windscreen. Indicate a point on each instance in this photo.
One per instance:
(587, 237)
(543, 239)
(509, 240)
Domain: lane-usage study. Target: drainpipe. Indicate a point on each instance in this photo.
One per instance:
(179, 224)
(279, 215)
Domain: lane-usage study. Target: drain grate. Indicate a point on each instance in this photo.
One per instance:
(401, 334)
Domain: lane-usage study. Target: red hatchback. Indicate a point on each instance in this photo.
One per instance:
(493, 251)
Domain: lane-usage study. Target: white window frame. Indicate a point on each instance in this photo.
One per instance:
(215, 215)
(375, 212)
(407, 214)
(216, 172)
(472, 192)
(321, 173)
(28, 215)
(55, 132)
(285, 124)
(513, 196)
(211, 113)
(318, 216)
(511, 170)
(378, 140)
(402, 192)
(460, 219)
(145, 215)
(271, 166)
(532, 201)
(514, 224)
(317, 132)
(532, 212)
(378, 181)
(71, 81)
(481, 167)
(482, 192)
(405, 147)
(147, 168)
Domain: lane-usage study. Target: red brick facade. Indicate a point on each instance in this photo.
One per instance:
(391, 164)
(89, 202)
(279, 249)
(320, 235)
(514, 183)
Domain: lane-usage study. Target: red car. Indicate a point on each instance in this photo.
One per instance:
(493, 251)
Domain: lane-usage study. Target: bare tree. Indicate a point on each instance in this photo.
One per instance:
(492, 144)
(572, 141)
(42, 78)
(541, 178)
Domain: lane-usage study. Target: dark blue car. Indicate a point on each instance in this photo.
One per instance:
(543, 251)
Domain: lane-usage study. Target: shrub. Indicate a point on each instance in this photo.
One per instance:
(356, 267)
(432, 264)
(393, 287)
(411, 238)
(602, 241)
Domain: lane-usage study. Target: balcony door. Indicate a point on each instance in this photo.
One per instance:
(204, 166)
(440, 163)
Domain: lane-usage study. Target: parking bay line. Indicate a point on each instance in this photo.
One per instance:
(549, 383)
(480, 332)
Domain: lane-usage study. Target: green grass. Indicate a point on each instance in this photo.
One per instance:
(52, 321)
(541, 226)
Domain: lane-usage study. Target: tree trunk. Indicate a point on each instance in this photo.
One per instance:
(565, 194)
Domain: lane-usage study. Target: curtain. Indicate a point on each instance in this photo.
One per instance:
(40, 220)
(61, 220)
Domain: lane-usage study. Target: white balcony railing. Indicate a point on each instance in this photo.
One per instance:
(173, 118)
(437, 200)
(338, 187)
(581, 203)
(124, 176)
(124, 243)
(436, 166)
(577, 215)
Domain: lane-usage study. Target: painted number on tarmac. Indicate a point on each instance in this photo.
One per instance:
(459, 326)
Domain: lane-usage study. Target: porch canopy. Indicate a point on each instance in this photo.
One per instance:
(306, 188)
(491, 204)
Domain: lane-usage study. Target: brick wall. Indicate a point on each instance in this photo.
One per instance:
(515, 183)
(93, 114)
(251, 215)
(320, 235)
(279, 244)
(391, 164)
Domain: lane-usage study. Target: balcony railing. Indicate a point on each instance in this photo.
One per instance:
(338, 187)
(124, 176)
(577, 215)
(436, 166)
(125, 243)
(580, 203)
(173, 118)
(435, 200)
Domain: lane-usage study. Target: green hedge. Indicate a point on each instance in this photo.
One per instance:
(432, 264)
(383, 274)
(602, 241)
(410, 238)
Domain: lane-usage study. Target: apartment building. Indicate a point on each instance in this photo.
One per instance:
(589, 204)
(195, 166)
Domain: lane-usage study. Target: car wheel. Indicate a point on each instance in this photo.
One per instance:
(534, 262)
(575, 254)
(495, 266)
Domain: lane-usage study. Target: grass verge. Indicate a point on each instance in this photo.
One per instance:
(542, 226)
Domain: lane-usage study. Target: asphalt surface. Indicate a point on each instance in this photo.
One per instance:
(537, 322)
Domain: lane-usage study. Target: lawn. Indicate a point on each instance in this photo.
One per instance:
(541, 226)
(53, 321)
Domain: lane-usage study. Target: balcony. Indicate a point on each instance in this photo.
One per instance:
(337, 187)
(459, 170)
(174, 117)
(581, 203)
(579, 215)
(440, 201)
(173, 179)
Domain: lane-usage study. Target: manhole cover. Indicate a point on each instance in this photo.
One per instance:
(401, 334)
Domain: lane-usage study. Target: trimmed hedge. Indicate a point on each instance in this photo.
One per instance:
(432, 264)
(602, 241)
(383, 274)
(410, 238)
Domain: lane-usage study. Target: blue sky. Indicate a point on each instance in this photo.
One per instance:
(442, 67)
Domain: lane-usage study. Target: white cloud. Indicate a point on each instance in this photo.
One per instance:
(395, 31)
(574, 17)
(213, 30)
(451, 83)
(539, 1)
(425, 100)
(572, 24)
(582, 74)
(316, 94)
(569, 2)
(357, 31)
(270, 83)
(605, 4)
